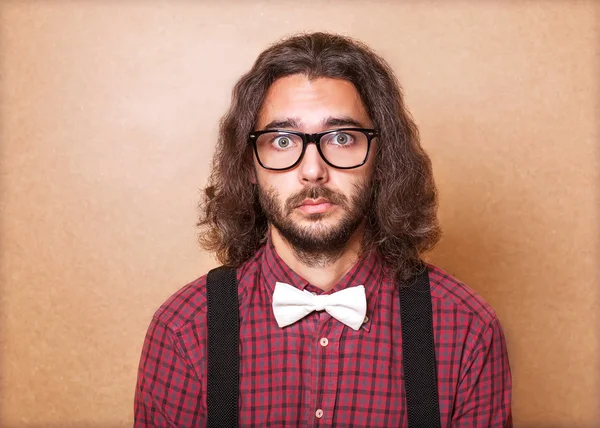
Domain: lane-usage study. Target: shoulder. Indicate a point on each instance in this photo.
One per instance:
(188, 304)
(184, 306)
(448, 292)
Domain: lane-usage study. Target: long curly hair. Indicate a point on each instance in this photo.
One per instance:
(402, 224)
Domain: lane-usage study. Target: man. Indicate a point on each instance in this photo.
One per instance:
(319, 182)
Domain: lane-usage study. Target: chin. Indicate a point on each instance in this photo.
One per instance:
(319, 227)
(322, 220)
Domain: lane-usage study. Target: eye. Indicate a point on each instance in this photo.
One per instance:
(282, 142)
(342, 139)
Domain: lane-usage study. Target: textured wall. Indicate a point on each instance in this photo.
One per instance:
(108, 119)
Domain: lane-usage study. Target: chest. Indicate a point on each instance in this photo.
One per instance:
(318, 372)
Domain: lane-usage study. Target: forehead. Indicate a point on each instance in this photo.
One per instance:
(310, 102)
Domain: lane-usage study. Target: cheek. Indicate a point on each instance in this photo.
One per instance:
(347, 182)
(282, 183)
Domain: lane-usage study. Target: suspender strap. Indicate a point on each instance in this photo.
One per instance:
(418, 353)
(223, 349)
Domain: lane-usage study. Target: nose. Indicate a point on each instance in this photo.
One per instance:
(313, 168)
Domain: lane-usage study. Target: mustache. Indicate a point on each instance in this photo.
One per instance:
(315, 192)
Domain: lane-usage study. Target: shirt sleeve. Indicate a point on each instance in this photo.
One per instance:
(484, 391)
(168, 391)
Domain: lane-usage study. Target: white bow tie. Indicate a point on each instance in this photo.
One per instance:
(348, 306)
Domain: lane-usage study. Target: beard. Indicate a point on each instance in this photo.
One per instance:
(317, 244)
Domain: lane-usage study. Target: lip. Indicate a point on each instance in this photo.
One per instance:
(315, 206)
(309, 202)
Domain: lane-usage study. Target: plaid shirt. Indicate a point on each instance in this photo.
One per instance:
(317, 371)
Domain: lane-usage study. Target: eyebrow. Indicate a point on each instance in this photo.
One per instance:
(290, 122)
(294, 123)
(342, 121)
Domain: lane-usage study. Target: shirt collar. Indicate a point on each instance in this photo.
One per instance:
(274, 269)
(367, 271)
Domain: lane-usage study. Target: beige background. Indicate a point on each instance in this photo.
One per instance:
(108, 120)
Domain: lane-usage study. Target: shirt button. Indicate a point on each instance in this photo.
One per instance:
(324, 341)
(319, 413)
(366, 320)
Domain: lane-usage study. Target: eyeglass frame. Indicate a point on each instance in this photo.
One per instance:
(309, 139)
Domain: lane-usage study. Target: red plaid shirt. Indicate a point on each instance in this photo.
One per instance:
(317, 371)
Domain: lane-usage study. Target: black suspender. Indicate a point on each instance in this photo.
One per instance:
(418, 351)
(223, 349)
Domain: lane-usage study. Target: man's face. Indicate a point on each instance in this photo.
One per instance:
(315, 207)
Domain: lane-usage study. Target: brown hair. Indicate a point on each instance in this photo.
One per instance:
(403, 222)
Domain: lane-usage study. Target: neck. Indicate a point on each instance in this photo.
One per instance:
(323, 276)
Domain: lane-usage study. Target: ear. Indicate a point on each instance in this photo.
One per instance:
(252, 167)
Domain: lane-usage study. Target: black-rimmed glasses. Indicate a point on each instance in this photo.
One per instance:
(343, 148)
